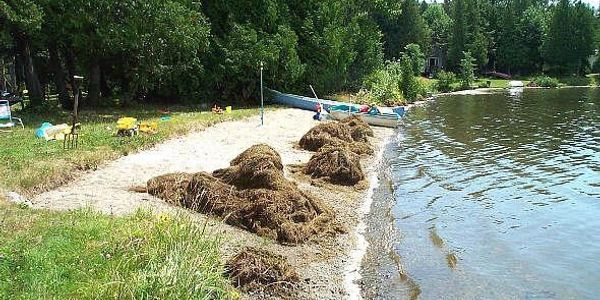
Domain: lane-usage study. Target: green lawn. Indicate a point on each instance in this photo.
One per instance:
(497, 83)
(32, 165)
(87, 255)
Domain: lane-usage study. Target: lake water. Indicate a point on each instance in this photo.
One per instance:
(490, 197)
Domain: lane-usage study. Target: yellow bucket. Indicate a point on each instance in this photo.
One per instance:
(228, 109)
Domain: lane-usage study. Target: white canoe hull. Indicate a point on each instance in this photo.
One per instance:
(382, 120)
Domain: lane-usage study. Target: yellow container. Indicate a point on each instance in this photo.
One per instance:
(228, 109)
(126, 123)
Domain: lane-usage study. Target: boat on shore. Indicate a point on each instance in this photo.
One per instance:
(376, 117)
(308, 103)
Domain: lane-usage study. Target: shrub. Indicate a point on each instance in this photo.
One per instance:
(595, 79)
(417, 58)
(484, 84)
(445, 81)
(382, 87)
(467, 75)
(393, 85)
(545, 81)
(409, 85)
(575, 81)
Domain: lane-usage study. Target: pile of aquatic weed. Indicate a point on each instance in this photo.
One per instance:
(338, 146)
(336, 165)
(259, 270)
(359, 129)
(252, 194)
(258, 167)
(335, 134)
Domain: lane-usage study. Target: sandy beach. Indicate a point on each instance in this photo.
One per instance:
(327, 268)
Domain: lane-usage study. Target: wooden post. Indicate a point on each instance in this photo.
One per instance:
(262, 100)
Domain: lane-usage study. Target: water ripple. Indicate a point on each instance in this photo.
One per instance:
(499, 193)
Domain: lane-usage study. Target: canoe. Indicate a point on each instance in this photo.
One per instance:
(308, 103)
(383, 118)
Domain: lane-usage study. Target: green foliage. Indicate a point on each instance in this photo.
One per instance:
(403, 28)
(395, 84)
(467, 75)
(469, 32)
(383, 86)
(520, 37)
(595, 79)
(545, 81)
(21, 16)
(182, 49)
(439, 24)
(570, 37)
(445, 81)
(84, 254)
(409, 85)
(576, 81)
(416, 58)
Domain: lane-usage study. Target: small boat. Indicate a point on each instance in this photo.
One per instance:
(382, 117)
(308, 103)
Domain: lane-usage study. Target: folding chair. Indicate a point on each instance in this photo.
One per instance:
(6, 118)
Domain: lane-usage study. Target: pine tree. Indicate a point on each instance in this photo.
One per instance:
(407, 28)
(570, 37)
(459, 32)
(467, 76)
(468, 33)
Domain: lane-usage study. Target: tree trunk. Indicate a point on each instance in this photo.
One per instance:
(94, 83)
(59, 78)
(31, 78)
(104, 88)
(2, 75)
(12, 75)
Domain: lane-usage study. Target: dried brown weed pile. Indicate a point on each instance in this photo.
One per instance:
(252, 194)
(337, 165)
(337, 134)
(254, 269)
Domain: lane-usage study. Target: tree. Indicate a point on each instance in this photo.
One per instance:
(22, 19)
(570, 37)
(583, 35)
(408, 83)
(412, 28)
(439, 24)
(468, 33)
(416, 57)
(467, 65)
(408, 27)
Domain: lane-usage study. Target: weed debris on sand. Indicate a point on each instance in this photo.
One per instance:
(252, 194)
(337, 134)
(337, 165)
(257, 270)
(338, 146)
(359, 129)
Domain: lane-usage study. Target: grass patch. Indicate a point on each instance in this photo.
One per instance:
(87, 255)
(35, 165)
(497, 83)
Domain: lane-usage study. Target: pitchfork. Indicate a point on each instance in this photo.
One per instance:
(71, 140)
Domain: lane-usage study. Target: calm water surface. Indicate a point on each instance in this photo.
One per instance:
(490, 196)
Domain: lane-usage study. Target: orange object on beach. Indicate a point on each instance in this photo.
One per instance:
(217, 109)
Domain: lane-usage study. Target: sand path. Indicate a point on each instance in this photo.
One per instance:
(106, 189)
(327, 268)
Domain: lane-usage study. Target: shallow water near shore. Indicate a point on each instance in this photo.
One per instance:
(490, 196)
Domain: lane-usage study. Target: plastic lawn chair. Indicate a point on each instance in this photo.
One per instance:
(6, 118)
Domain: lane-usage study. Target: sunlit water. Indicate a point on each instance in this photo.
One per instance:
(490, 196)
